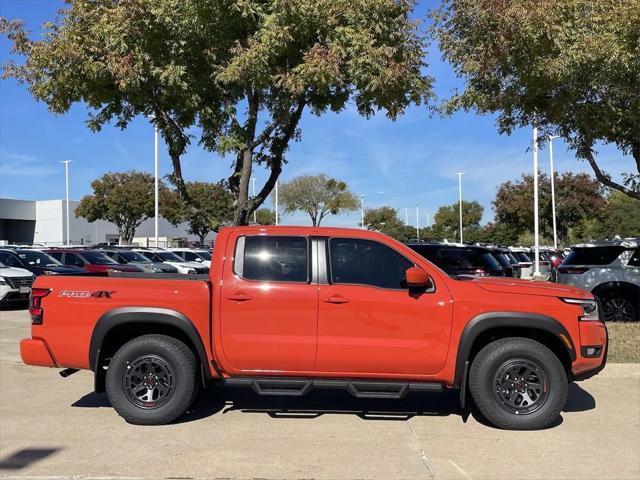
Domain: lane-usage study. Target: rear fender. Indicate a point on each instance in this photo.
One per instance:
(148, 316)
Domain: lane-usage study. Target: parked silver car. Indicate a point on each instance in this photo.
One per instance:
(611, 271)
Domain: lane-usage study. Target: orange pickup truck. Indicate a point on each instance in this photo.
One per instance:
(289, 309)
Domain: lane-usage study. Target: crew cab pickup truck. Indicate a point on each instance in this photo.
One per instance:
(285, 310)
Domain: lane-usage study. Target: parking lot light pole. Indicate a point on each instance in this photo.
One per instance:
(460, 201)
(536, 271)
(362, 211)
(66, 188)
(406, 216)
(156, 204)
(417, 223)
(553, 192)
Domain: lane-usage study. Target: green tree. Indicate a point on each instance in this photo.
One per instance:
(571, 67)
(447, 220)
(621, 217)
(578, 197)
(210, 205)
(265, 216)
(241, 72)
(124, 199)
(317, 195)
(386, 220)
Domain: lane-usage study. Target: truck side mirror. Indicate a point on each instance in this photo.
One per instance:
(417, 277)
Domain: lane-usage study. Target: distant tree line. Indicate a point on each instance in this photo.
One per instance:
(584, 209)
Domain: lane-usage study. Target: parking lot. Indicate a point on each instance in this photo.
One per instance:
(52, 427)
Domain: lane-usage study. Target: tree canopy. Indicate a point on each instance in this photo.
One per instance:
(571, 67)
(125, 199)
(386, 220)
(265, 216)
(241, 72)
(211, 205)
(579, 197)
(447, 219)
(317, 195)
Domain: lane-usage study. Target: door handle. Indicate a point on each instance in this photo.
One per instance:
(239, 297)
(337, 299)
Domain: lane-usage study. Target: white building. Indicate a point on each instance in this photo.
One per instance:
(44, 222)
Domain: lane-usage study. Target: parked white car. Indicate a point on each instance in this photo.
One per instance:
(194, 255)
(15, 284)
(170, 258)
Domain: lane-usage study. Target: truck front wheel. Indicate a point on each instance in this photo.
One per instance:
(151, 380)
(518, 384)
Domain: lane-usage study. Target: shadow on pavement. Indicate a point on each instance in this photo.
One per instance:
(579, 400)
(25, 457)
(219, 399)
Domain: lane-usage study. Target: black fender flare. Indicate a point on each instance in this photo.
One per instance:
(151, 315)
(488, 321)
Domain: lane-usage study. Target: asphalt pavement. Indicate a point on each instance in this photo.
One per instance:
(52, 427)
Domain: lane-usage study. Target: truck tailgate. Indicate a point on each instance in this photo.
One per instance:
(74, 305)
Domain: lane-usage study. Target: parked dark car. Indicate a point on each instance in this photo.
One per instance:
(507, 261)
(92, 261)
(37, 262)
(129, 257)
(457, 259)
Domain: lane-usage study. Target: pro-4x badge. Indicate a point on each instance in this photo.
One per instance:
(86, 294)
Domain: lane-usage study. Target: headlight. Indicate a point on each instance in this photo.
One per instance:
(589, 309)
(190, 271)
(49, 272)
(2, 282)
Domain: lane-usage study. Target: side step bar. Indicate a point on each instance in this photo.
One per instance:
(296, 387)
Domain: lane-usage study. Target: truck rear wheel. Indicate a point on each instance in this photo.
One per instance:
(151, 380)
(518, 384)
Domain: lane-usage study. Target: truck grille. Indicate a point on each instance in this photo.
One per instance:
(17, 282)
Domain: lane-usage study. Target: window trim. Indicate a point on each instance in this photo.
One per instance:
(330, 281)
(238, 259)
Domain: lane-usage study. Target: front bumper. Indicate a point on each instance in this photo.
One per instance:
(34, 351)
(592, 334)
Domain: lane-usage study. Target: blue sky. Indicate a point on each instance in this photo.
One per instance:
(403, 163)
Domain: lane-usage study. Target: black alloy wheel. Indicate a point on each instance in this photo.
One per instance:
(148, 381)
(521, 386)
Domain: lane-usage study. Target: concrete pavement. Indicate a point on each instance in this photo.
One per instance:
(52, 427)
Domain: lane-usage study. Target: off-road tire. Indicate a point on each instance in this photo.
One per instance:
(168, 353)
(497, 356)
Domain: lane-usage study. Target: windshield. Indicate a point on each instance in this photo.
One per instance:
(169, 257)
(522, 257)
(468, 258)
(38, 259)
(205, 255)
(98, 258)
(134, 257)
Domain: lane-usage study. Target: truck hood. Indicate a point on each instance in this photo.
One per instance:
(529, 287)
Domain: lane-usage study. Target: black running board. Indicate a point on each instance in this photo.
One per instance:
(296, 387)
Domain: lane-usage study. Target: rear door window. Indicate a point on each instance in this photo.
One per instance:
(272, 258)
(634, 261)
(593, 255)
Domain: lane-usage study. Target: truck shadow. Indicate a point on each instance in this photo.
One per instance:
(220, 400)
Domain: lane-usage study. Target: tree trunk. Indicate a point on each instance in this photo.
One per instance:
(241, 214)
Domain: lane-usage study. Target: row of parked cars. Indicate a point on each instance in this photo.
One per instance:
(20, 265)
(608, 269)
(488, 260)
